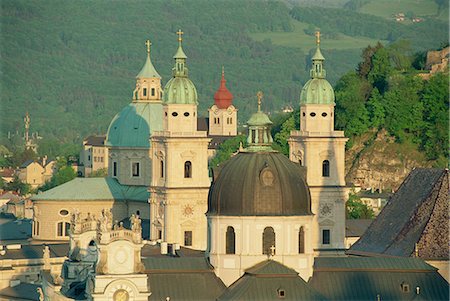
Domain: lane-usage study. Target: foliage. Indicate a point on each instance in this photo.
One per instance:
(356, 209)
(281, 137)
(18, 186)
(99, 173)
(227, 148)
(64, 173)
(17, 158)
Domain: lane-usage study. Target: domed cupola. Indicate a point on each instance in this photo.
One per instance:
(317, 90)
(180, 89)
(259, 181)
(223, 98)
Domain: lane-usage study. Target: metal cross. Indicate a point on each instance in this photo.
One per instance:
(318, 37)
(272, 250)
(180, 33)
(148, 44)
(259, 95)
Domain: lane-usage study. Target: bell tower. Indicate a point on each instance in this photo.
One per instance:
(321, 149)
(179, 153)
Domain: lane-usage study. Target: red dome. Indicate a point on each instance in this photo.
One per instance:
(223, 98)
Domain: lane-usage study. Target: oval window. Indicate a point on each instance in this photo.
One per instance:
(174, 114)
(63, 212)
(312, 114)
(304, 114)
(186, 114)
(324, 114)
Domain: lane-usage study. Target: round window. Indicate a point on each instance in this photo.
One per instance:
(174, 114)
(312, 114)
(63, 212)
(186, 114)
(324, 114)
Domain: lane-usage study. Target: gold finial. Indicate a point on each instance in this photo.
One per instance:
(148, 44)
(259, 95)
(180, 33)
(223, 70)
(318, 37)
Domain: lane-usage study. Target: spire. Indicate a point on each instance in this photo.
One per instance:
(223, 97)
(259, 136)
(148, 71)
(180, 69)
(317, 70)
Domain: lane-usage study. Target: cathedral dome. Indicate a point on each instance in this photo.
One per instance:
(223, 97)
(259, 184)
(317, 91)
(131, 126)
(180, 90)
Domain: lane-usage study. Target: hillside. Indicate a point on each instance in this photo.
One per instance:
(72, 66)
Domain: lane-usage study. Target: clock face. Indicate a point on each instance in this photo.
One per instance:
(121, 295)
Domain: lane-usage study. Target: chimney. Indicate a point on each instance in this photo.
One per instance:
(164, 248)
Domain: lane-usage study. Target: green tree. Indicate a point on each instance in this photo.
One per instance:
(226, 149)
(356, 209)
(381, 69)
(99, 173)
(375, 109)
(283, 135)
(18, 186)
(64, 173)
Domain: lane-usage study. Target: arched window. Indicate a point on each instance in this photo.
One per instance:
(162, 168)
(268, 241)
(188, 169)
(36, 227)
(230, 241)
(326, 168)
(301, 241)
(145, 92)
(153, 91)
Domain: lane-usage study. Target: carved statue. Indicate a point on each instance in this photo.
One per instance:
(109, 218)
(41, 294)
(46, 258)
(135, 223)
(75, 221)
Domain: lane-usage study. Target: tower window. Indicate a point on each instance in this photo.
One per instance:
(324, 114)
(144, 92)
(35, 227)
(218, 120)
(301, 241)
(114, 169)
(153, 91)
(186, 114)
(304, 114)
(312, 114)
(161, 168)
(326, 168)
(174, 114)
(188, 169)
(326, 237)
(188, 238)
(268, 241)
(253, 136)
(135, 169)
(230, 241)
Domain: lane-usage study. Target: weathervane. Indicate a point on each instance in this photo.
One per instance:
(259, 95)
(148, 44)
(180, 33)
(318, 37)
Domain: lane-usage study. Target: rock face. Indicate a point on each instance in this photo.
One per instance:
(377, 161)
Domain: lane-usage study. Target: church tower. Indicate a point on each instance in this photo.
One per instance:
(180, 181)
(321, 149)
(128, 134)
(222, 114)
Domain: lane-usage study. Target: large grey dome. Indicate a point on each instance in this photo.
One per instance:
(259, 184)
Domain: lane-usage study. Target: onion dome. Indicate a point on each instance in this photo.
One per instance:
(223, 98)
(317, 90)
(133, 126)
(259, 181)
(180, 89)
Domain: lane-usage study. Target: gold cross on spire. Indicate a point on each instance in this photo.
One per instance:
(180, 33)
(148, 44)
(223, 70)
(259, 95)
(318, 37)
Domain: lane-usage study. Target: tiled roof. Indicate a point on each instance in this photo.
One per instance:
(96, 140)
(87, 189)
(13, 229)
(22, 291)
(266, 280)
(36, 251)
(370, 278)
(401, 223)
(356, 227)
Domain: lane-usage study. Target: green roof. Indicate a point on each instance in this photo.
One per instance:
(259, 118)
(354, 278)
(148, 70)
(133, 126)
(180, 90)
(318, 55)
(264, 282)
(180, 53)
(89, 189)
(317, 91)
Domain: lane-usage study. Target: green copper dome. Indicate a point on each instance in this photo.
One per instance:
(180, 89)
(259, 118)
(133, 126)
(317, 90)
